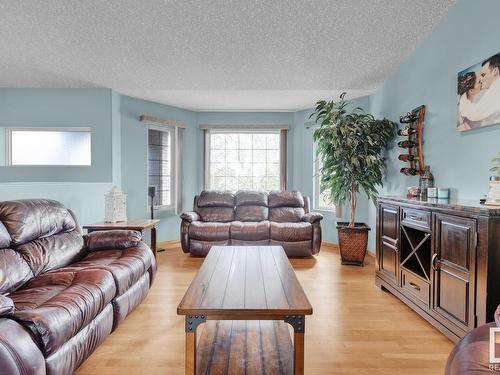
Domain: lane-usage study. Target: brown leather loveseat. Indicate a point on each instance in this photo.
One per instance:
(61, 293)
(251, 218)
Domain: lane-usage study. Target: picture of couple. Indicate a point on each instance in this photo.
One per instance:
(479, 95)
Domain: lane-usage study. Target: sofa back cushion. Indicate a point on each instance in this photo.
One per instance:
(43, 232)
(29, 219)
(4, 237)
(49, 253)
(14, 271)
(251, 205)
(286, 206)
(216, 206)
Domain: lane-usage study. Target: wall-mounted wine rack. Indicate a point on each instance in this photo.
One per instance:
(412, 142)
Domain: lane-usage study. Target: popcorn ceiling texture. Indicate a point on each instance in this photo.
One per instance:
(212, 55)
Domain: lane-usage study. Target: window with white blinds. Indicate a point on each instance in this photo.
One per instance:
(160, 158)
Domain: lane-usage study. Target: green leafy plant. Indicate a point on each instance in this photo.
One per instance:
(496, 165)
(350, 145)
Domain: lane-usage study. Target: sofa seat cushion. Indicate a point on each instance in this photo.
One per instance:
(291, 232)
(250, 231)
(127, 266)
(55, 306)
(209, 231)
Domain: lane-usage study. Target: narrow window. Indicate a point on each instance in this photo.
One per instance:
(48, 146)
(160, 161)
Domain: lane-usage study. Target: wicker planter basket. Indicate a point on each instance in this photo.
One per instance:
(353, 242)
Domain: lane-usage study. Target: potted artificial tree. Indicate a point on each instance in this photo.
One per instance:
(350, 145)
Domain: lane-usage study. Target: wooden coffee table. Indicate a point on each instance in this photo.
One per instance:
(252, 284)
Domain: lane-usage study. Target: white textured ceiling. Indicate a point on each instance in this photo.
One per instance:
(212, 55)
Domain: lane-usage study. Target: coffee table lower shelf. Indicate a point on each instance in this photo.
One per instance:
(251, 347)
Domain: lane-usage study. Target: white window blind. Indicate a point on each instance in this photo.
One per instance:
(160, 162)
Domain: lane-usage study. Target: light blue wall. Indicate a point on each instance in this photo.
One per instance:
(60, 108)
(81, 189)
(459, 160)
(134, 154)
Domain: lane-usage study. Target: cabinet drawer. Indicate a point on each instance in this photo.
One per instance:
(418, 218)
(417, 287)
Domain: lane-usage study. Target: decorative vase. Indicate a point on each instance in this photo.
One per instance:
(493, 197)
(353, 242)
(115, 206)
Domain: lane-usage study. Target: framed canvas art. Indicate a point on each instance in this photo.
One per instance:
(479, 95)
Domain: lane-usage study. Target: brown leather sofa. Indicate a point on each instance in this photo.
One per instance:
(62, 293)
(471, 355)
(251, 218)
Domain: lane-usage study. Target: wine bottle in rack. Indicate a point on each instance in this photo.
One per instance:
(406, 131)
(406, 144)
(406, 157)
(408, 118)
(409, 171)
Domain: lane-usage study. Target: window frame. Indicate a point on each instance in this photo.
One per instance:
(317, 184)
(8, 144)
(235, 130)
(173, 163)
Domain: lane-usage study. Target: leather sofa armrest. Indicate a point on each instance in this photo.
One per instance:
(190, 216)
(312, 217)
(112, 239)
(19, 354)
(6, 305)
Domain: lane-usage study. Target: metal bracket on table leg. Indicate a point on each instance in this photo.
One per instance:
(297, 322)
(193, 321)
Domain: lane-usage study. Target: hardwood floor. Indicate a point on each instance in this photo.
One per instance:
(356, 328)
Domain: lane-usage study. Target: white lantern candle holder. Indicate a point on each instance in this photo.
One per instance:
(115, 206)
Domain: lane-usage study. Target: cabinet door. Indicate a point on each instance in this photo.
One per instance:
(387, 242)
(453, 262)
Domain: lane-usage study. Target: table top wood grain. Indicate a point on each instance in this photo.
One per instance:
(133, 224)
(245, 282)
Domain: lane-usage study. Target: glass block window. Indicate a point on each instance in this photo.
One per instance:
(243, 160)
(47, 146)
(160, 165)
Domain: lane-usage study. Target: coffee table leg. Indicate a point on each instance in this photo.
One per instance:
(298, 356)
(190, 353)
(191, 324)
(299, 326)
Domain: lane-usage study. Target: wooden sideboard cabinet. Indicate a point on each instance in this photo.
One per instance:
(441, 258)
